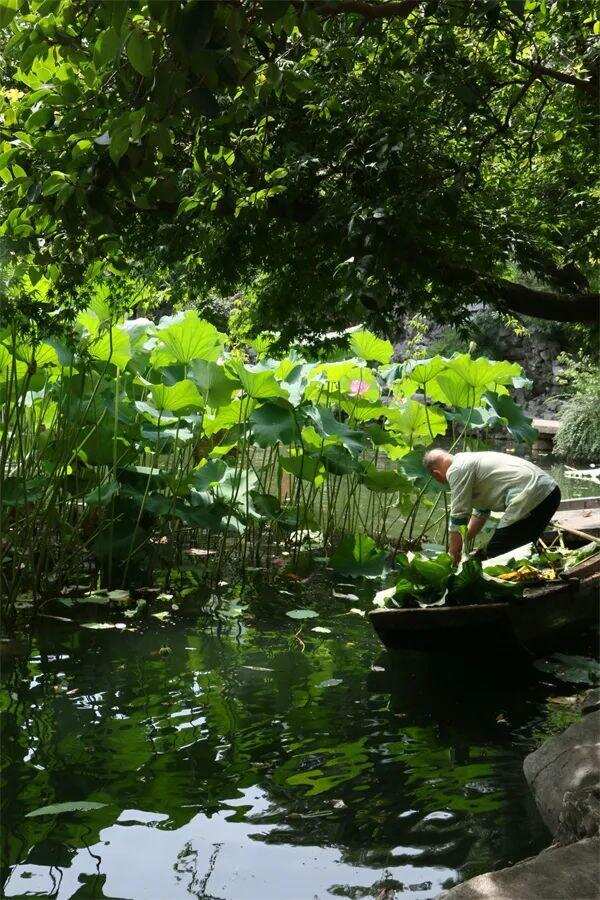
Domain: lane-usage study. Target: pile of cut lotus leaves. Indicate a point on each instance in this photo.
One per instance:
(421, 581)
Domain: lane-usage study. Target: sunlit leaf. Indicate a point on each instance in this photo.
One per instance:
(184, 395)
(185, 337)
(416, 422)
(370, 348)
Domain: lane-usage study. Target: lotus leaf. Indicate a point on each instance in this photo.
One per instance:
(370, 348)
(309, 468)
(358, 556)
(259, 383)
(274, 423)
(185, 337)
(384, 480)
(517, 422)
(416, 422)
(177, 398)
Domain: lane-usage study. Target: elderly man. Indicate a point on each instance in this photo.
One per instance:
(486, 481)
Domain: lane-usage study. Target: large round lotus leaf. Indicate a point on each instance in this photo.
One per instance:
(274, 424)
(185, 337)
(370, 348)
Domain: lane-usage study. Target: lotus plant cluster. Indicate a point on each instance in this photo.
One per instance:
(135, 445)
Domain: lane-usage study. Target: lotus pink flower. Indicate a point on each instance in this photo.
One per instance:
(358, 387)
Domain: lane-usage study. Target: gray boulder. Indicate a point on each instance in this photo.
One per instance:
(564, 775)
(591, 701)
(558, 873)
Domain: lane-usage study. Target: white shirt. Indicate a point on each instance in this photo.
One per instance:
(486, 481)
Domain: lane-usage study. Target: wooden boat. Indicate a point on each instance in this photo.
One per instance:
(578, 514)
(531, 623)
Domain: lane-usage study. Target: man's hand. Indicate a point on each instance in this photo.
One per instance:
(455, 546)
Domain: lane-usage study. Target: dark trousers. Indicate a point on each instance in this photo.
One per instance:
(527, 529)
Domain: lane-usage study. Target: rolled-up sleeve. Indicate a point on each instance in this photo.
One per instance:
(461, 485)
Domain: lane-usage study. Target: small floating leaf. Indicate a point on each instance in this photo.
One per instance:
(119, 596)
(342, 596)
(302, 614)
(56, 809)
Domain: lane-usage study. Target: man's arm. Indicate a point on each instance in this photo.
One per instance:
(455, 543)
(461, 486)
(476, 523)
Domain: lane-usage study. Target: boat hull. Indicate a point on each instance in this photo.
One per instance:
(530, 624)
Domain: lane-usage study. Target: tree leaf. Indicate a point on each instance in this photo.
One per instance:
(140, 53)
(107, 46)
(330, 682)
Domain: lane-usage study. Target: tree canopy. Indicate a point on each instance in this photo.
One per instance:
(350, 159)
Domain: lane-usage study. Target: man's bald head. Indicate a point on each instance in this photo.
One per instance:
(437, 462)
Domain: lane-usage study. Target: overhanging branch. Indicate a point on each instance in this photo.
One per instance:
(539, 71)
(510, 296)
(366, 9)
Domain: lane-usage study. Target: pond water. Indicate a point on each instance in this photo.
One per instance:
(263, 762)
(270, 761)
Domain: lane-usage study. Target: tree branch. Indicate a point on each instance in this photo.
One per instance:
(511, 296)
(539, 70)
(579, 307)
(366, 9)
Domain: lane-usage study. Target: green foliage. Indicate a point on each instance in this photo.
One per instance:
(579, 373)
(344, 164)
(144, 433)
(578, 439)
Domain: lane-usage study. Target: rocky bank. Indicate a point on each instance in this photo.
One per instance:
(564, 775)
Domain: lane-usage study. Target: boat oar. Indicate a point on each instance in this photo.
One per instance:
(580, 534)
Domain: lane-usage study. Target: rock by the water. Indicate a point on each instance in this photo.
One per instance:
(558, 873)
(564, 774)
(591, 701)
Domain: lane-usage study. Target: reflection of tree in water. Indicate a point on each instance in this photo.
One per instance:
(404, 766)
(188, 864)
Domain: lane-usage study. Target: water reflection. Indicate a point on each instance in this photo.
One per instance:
(259, 766)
